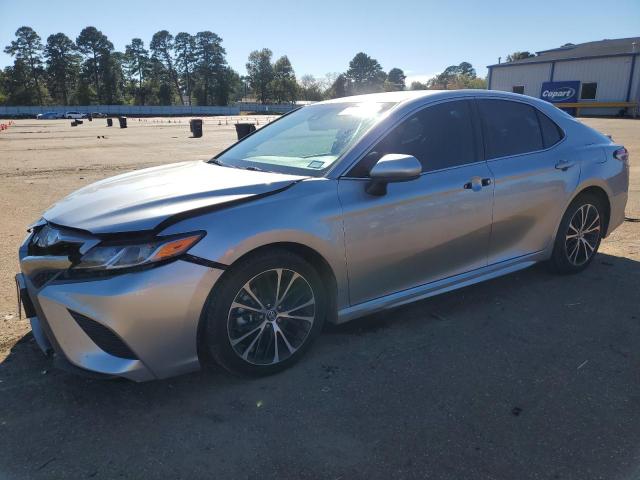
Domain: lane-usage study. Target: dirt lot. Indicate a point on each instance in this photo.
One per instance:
(527, 376)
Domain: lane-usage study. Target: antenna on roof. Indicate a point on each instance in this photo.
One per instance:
(499, 59)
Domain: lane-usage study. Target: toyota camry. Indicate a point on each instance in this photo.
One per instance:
(334, 211)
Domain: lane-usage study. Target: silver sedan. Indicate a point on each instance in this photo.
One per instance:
(335, 211)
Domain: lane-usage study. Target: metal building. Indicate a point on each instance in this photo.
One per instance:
(594, 78)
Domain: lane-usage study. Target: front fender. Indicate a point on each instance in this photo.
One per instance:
(308, 213)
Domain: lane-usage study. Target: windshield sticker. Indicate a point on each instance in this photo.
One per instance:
(316, 164)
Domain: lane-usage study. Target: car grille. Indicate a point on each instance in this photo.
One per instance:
(103, 337)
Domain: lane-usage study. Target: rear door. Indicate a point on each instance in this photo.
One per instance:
(534, 176)
(427, 229)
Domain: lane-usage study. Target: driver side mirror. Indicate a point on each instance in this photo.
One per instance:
(391, 168)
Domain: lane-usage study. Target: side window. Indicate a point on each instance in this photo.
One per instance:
(510, 128)
(588, 91)
(439, 136)
(551, 133)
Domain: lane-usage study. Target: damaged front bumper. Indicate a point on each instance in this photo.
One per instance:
(139, 325)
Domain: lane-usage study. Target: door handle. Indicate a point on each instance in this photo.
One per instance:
(564, 165)
(476, 184)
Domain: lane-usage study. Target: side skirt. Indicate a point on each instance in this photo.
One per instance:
(440, 286)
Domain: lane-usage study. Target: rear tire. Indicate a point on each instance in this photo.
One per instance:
(579, 235)
(265, 313)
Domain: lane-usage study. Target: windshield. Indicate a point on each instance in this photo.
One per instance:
(307, 141)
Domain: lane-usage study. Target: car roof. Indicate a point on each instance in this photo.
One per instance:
(407, 99)
(418, 96)
(395, 97)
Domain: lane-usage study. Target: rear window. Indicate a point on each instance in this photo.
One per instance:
(510, 128)
(551, 133)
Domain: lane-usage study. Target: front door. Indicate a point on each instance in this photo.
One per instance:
(427, 229)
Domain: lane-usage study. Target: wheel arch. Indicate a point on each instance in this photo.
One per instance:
(601, 193)
(311, 255)
(322, 266)
(594, 187)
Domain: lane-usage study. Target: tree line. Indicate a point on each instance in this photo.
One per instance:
(184, 69)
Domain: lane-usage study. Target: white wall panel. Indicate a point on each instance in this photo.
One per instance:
(531, 76)
(612, 75)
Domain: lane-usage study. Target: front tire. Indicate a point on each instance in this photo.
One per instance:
(579, 235)
(265, 313)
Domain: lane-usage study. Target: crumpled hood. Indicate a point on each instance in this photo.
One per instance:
(142, 199)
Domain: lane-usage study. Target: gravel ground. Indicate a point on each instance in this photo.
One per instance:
(530, 376)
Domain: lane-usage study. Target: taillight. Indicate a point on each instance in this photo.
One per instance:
(622, 154)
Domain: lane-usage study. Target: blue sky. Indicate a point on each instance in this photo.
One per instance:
(421, 37)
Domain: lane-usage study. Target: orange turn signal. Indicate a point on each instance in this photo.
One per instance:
(175, 247)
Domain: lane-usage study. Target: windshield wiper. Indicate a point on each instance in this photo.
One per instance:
(250, 167)
(218, 162)
(255, 169)
(318, 155)
(223, 164)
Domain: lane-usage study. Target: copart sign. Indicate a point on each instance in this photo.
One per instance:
(560, 92)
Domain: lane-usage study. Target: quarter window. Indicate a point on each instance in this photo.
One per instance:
(588, 91)
(440, 136)
(510, 128)
(518, 89)
(551, 133)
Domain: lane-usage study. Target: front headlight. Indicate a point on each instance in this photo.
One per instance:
(115, 256)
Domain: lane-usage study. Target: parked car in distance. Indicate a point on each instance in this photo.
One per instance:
(49, 116)
(98, 115)
(338, 210)
(74, 115)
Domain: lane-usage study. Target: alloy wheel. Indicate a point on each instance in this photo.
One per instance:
(271, 316)
(583, 235)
